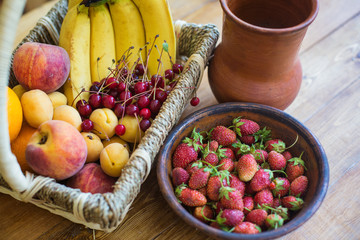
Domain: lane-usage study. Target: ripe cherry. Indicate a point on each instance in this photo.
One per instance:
(108, 101)
(160, 95)
(157, 81)
(155, 106)
(125, 96)
(145, 124)
(95, 87)
(145, 113)
(195, 101)
(87, 125)
(139, 69)
(120, 129)
(119, 110)
(95, 101)
(85, 110)
(177, 68)
(121, 86)
(111, 83)
(132, 110)
(143, 101)
(80, 102)
(169, 74)
(140, 87)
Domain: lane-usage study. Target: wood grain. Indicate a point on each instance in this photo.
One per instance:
(328, 103)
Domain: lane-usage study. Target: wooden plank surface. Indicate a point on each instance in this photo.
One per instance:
(328, 103)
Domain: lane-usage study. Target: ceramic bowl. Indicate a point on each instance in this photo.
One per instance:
(282, 126)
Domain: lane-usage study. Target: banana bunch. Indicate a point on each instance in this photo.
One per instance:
(98, 34)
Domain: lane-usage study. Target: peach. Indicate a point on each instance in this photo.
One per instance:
(56, 150)
(57, 99)
(113, 159)
(41, 66)
(116, 139)
(68, 114)
(37, 107)
(94, 146)
(105, 121)
(133, 133)
(91, 178)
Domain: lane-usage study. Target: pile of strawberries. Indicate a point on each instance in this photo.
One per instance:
(239, 179)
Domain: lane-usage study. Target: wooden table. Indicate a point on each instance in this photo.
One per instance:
(328, 104)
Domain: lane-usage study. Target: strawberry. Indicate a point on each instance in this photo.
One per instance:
(213, 146)
(204, 213)
(276, 160)
(246, 167)
(179, 176)
(261, 180)
(190, 197)
(231, 198)
(276, 202)
(218, 207)
(247, 228)
(226, 164)
(183, 155)
(194, 166)
(236, 183)
(199, 178)
(202, 190)
(260, 155)
(287, 155)
(295, 167)
(248, 139)
(280, 186)
(245, 127)
(230, 217)
(240, 149)
(226, 153)
(213, 187)
(195, 140)
(264, 197)
(211, 158)
(299, 186)
(248, 204)
(274, 221)
(223, 135)
(292, 203)
(275, 145)
(257, 216)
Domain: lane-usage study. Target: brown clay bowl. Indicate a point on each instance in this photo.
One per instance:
(283, 126)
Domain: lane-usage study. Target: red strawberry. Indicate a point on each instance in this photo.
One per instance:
(195, 140)
(260, 155)
(287, 155)
(213, 187)
(246, 167)
(218, 207)
(223, 135)
(299, 186)
(248, 204)
(226, 153)
(276, 203)
(194, 166)
(261, 180)
(202, 190)
(257, 216)
(236, 183)
(213, 146)
(226, 164)
(245, 127)
(275, 145)
(230, 217)
(183, 155)
(204, 213)
(264, 197)
(211, 158)
(276, 161)
(295, 167)
(199, 178)
(247, 228)
(280, 186)
(274, 221)
(231, 198)
(179, 176)
(190, 197)
(292, 203)
(249, 139)
(236, 148)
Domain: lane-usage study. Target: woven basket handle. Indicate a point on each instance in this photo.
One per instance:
(10, 13)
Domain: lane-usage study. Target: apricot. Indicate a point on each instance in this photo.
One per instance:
(116, 139)
(37, 107)
(57, 99)
(105, 121)
(41, 66)
(113, 159)
(94, 146)
(68, 114)
(91, 178)
(19, 90)
(133, 133)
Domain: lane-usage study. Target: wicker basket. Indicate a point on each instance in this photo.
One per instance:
(104, 211)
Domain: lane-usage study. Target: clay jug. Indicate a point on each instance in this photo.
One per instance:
(257, 59)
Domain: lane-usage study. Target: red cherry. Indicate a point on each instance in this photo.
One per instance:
(80, 102)
(145, 113)
(140, 87)
(95, 101)
(113, 92)
(195, 101)
(87, 125)
(157, 81)
(85, 110)
(169, 74)
(95, 87)
(111, 83)
(155, 106)
(143, 102)
(160, 95)
(125, 96)
(121, 87)
(139, 69)
(145, 124)
(132, 110)
(119, 110)
(120, 129)
(108, 101)
(177, 68)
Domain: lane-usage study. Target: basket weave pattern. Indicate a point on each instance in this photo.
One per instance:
(105, 212)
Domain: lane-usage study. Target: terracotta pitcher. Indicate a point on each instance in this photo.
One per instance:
(257, 59)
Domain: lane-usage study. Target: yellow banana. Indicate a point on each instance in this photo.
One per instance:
(73, 3)
(129, 30)
(75, 39)
(102, 42)
(158, 20)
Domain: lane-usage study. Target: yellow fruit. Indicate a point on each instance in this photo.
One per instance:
(19, 90)
(15, 114)
(116, 139)
(105, 121)
(57, 99)
(68, 114)
(94, 146)
(113, 159)
(133, 133)
(18, 146)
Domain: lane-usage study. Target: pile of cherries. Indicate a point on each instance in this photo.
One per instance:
(131, 93)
